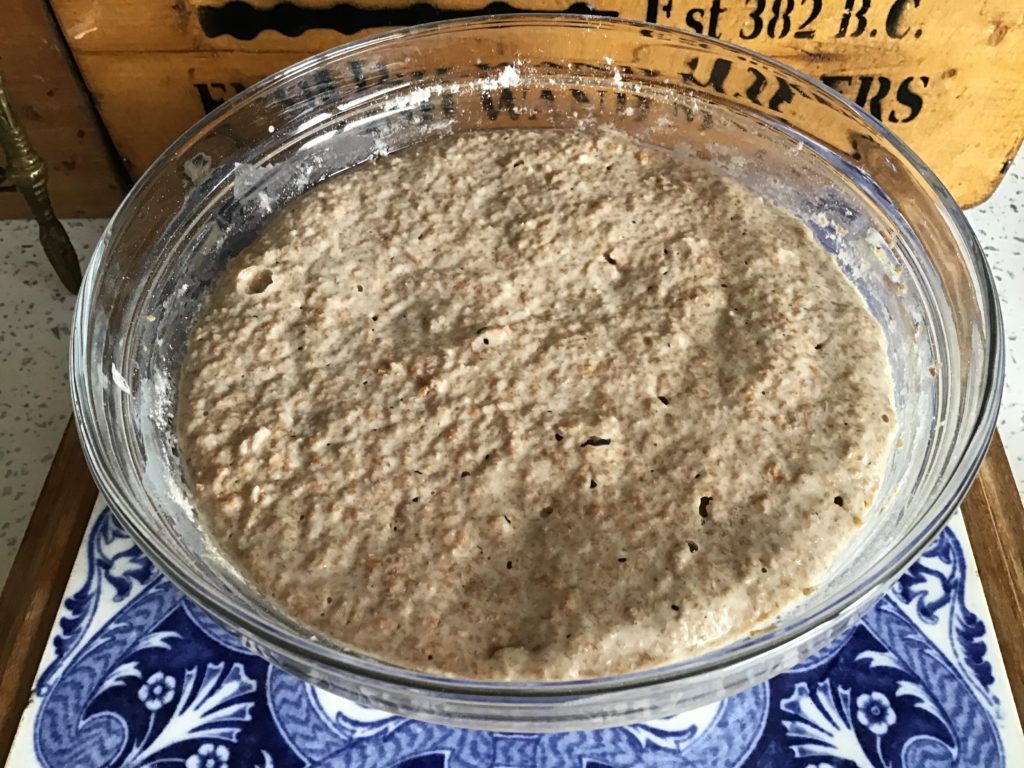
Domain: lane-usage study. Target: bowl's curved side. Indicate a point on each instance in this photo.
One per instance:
(202, 197)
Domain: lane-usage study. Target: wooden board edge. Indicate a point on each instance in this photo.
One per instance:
(983, 195)
(38, 578)
(994, 517)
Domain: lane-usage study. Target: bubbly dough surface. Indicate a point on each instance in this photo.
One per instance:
(534, 405)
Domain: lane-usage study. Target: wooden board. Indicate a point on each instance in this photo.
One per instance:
(995, 526)
(50, 99)
(175, 88)
(35, 585)
(29, 603)
(947, 76)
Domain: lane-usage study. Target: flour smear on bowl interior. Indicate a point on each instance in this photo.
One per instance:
(534, 405)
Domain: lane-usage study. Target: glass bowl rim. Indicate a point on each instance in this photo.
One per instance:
(950, 493)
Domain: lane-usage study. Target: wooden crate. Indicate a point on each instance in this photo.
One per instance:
(53, 105)
(947, 76)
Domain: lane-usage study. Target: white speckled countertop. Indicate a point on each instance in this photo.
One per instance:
(36, 314)
(999, 225)
(35, 311)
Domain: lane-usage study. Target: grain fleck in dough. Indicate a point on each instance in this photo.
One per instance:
(534, 405)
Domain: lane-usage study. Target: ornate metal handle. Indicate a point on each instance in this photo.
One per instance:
(27, 171)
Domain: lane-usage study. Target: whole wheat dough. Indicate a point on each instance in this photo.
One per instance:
(534, 405)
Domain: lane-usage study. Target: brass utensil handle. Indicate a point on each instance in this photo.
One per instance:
(27, 170)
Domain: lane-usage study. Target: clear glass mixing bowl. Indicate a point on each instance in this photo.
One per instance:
(891, 225)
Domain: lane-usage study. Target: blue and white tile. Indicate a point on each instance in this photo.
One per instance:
(135, 675)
